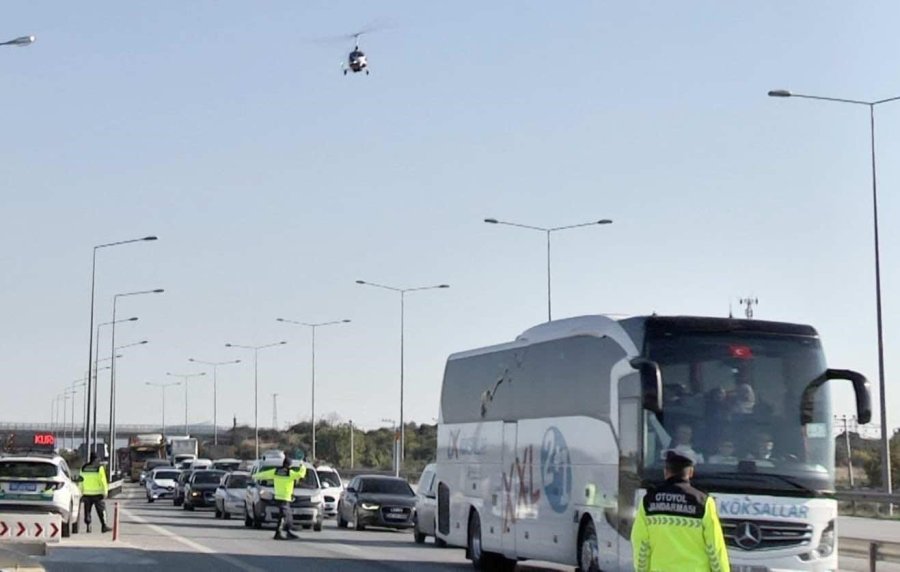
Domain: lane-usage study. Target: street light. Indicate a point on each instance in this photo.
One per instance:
(312, 328)
(96, 373)
(256, 382)
(548, 232)
(91, 327)
(163, 386)
(885, 434)
(215, 365)
(402, 292)
(20, 42)
(184, 378)
(112, 373)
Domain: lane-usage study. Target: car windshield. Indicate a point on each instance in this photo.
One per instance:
(207, 477)
(227, 466)
(329, 479)
(238, 482)
(160, 475)
(732, 402)
(386, 486)
(27, 470)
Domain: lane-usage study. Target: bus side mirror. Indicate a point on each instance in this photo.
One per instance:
(860, 388)
(651, 384)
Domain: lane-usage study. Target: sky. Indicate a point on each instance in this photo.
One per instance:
(274, 182)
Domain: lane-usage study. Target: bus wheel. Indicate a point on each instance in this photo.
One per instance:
(588, 548)
(482, 560)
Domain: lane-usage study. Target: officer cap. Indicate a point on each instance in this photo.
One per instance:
(678, 460)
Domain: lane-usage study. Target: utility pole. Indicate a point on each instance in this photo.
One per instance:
(748, 304)
(275, 411)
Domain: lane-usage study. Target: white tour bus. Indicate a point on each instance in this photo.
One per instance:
(546, 444)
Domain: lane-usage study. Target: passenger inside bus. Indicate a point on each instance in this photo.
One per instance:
(724, 455)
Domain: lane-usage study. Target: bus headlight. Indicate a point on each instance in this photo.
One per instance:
(826, 544)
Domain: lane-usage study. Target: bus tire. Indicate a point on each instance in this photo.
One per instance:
(588, 547)
(482, 560)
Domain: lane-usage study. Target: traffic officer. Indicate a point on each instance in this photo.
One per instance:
(677, 527)
(94, 489)
(284, 478)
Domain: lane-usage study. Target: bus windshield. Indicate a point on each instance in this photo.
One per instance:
(731, 401)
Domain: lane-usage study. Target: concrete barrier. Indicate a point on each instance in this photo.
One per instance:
(25, 527)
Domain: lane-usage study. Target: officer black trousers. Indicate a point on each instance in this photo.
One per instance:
(91, 501)
(285, 517)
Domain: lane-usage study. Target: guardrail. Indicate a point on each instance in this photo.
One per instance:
(868, 503)
(874, 551)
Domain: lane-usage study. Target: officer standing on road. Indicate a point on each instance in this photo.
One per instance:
(284, 478)
(677, 527)
(94, 488)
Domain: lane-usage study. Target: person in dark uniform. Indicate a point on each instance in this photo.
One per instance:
(677, 527)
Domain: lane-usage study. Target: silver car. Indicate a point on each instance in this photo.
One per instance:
(161, 483)
(426, 507)
(230, 494)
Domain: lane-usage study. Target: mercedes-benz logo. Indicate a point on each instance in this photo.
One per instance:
(747, 535)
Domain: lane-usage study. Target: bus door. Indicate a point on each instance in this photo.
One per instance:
(630, 437)
(509, 486)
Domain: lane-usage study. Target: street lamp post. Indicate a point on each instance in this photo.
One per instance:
(312, 327)
(20, 42)
(163, 386)
(112, 373)
(93, 284)
(74, 387)
(255, 350)
(97, 375)
(885, 434)
(184, 378)
(548, 232)
(402, 292)
(215, 367)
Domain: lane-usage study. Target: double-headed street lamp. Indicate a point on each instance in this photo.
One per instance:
(255, 350)
(312, 327)
(185, 377)
(93, 285)
(163, 386)
(20, 42)
(548, 232)
(215, 367)
(885, 434)
(402, 292)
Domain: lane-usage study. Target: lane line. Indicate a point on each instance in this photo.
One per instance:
(193, 545)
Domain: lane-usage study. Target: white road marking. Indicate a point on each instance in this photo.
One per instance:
(193, 545)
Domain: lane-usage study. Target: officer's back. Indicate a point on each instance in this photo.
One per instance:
(677, 527)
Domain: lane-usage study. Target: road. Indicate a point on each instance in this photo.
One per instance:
(160, 536)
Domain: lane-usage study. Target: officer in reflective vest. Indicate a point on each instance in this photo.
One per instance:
(94, 488)
(284, 479)
(677, 527)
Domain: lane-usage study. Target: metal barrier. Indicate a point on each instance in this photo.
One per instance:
(874, 551)
(874, 504)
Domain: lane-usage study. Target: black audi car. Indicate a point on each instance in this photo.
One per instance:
(200, 489)
(371, 500)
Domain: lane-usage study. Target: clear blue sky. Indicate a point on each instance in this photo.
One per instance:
(274, 182)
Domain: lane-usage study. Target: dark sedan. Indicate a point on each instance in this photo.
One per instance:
(200, 489)
(371, 500)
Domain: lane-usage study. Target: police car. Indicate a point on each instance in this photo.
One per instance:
(39, 481)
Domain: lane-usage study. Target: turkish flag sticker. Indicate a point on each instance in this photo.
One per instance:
(741, 352)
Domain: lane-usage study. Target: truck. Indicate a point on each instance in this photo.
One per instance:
(182, 448)
(142, 448)
(547, 444)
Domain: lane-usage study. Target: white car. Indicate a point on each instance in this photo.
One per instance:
(260, 507)
(230, 494)
(161, 483)
(40, 483)
(201, 464)
(332, 487)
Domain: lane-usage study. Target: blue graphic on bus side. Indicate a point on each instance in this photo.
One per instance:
(556, 470)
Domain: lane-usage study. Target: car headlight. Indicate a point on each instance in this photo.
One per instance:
(195, 493)
(369, 506)
(316, 499)
(266, 495)
(826, 544)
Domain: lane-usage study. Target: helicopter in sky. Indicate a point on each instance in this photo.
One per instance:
(356, 60)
